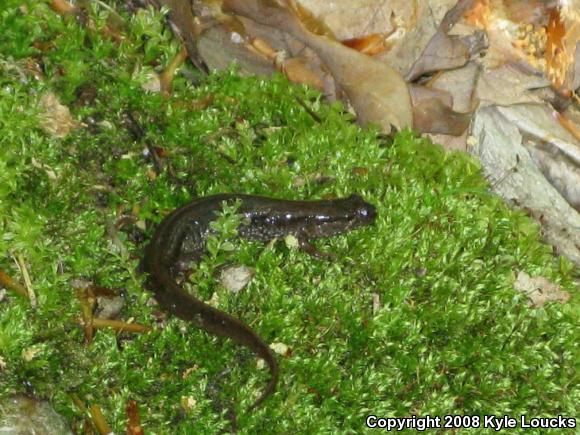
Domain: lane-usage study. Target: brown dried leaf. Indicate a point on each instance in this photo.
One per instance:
(218, 47)
(187, 27)
(55, 118)
(377, 92)
(447, 52)
(539, 290)
(133, 419)
(556, 59)
(62, 7)
(434, 116)
(433, 112)
(370, 44)
(357, 18)
(310, 21)
(298, 71)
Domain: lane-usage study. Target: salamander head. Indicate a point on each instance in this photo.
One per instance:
(363, 212)
(342, 215)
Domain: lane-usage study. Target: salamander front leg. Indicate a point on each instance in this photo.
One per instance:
(310, 249)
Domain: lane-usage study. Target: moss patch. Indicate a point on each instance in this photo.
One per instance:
(451, 335)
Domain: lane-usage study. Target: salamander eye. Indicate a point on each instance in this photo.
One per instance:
(367, 212)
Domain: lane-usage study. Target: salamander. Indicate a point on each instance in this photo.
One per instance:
(180, 238)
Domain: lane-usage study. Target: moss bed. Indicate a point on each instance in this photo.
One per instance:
(449, 335)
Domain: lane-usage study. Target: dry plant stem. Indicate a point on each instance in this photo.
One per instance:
(87, 305)
(27, 282)
(62, 7)
(118, 325)
(188, 28)
(99, 420)
(311, 112)
(78, 402)
(12, 285)
(569, 126)
(134, 420)
(166, 76)
(82, 408)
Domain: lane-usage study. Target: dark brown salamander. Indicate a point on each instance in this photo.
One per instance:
(180, 238)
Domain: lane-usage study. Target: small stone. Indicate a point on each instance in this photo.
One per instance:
(236, 278)
(291, 242)
(26, 415)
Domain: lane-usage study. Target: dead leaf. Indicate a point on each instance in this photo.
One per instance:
(509, 84)
(539, 290)
(370, 44)
(298, 71)
(354, 19)
(416, 28)
(535, 12)
(219, 47)
(460, 83)
(450, 143)
(445, 52)
(310, 21)
(187, 27)
(555, 51)
(434, 116)
(166, 77)
(55, 118)
(502, 139)
(62, 7)
(133, 419)
(433, 113)
(377, 92)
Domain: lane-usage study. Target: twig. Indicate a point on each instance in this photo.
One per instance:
(313, 114)
(12, 285)
(87, 300)
(507, 173)
(27, 282)
(166, 77)
(78, 402)
(117, 325)
(99, 420)
(62, 7)
(133, 419)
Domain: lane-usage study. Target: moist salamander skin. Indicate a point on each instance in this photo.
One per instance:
(180, 238)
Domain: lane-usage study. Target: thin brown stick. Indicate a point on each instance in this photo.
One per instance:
(12, 285)
(166, 77)
(62, 7)
(133, 419)
(118, 325)
(311, 112)
(27, 281)
(99, 420)
(78, 402)
(87, 301)
(569, 125)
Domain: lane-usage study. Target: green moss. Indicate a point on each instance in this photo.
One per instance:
(451, 335)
